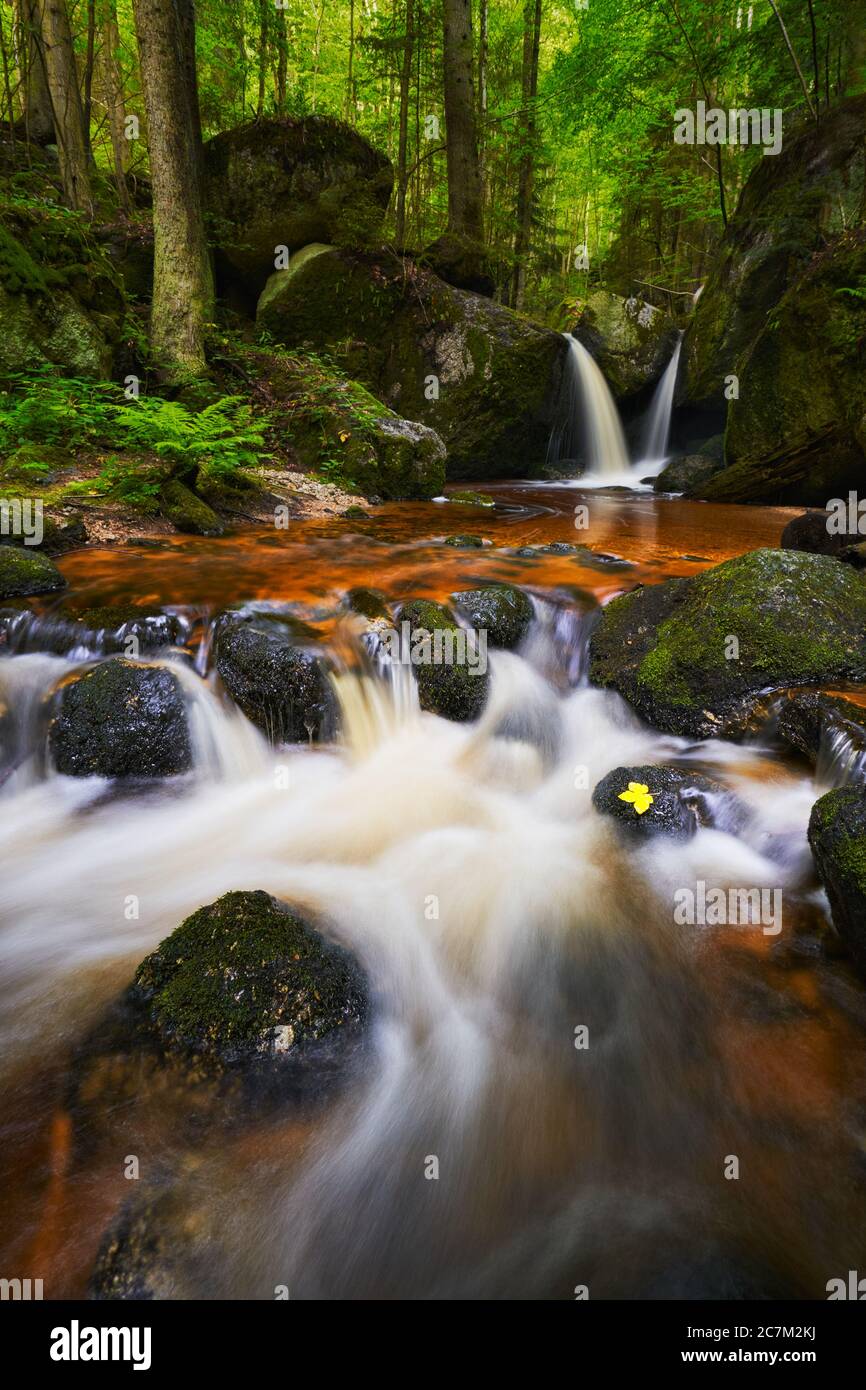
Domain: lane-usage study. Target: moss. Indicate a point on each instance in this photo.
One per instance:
(503, 611)
(188, 512)
(451, 688)
(23, 572)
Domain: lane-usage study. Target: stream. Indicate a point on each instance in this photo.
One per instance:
(557, 1169)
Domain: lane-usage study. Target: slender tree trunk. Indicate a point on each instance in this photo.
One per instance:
(794, 59)
(68, 114)
(88, 71)
(464, 171)
(35, 97)
(526, 179)
(816, 65)
(111, 79)
(282, 60)
(264, 9)
(182, 278)
(403, 138)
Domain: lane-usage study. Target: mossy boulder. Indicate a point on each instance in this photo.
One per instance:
(464, 542)
(23, 571)
(681, 801)
(693, 655)
(187, 512)
(837, 836)
(503, 611)
(484, 378)
(687, 474)
(790, 206)
(630, 339)
(289, 182)
(280, 683)
(818, 725)
(449, 668)
(120, 719)
(247, 980)
(367, 603)
(461, 261)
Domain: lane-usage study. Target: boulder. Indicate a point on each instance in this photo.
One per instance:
(811, 533)
(23, 571)
(246, 980)
(460, 261)
(448, 685)
(120, 719)
(837, 836)
(280, 684)
(819, 725)
(693, 655)
(485, 378)
(686, 474)
(503, 611)
(790, 205)
(288, 182)
(681, 801)
(187, 512)
(631, 340)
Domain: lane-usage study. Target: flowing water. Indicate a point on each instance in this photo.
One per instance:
(658, 426)
(589, 420)
(557, 1166)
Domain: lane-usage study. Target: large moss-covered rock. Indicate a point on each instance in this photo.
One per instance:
(120, 719)
(452, 670)
(485, 378)
(837, 836)
(790, 205)
(246, 979)
(187, 512)
(280, 684)
(289, 182)
(692, 655)
(503, 611)
(687, 474)
(23, 571)
(61, 301)
(631, 340)
(797, 431)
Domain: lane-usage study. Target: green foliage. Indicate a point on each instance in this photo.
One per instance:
(225, 435)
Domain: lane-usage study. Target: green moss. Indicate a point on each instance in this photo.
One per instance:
(24, 572)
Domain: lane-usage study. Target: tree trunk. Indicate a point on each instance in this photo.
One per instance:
(526, 180)
(35, 97)
(282, 60)
(403, 141)
(182, 278)
(111, 78)
(89, 64)
(68, 113)
(464, 172)
(264, 9)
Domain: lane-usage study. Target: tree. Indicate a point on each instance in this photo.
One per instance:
(182, 276)
(36, 99)
(526, 179)
(461, 137)
(58, 53)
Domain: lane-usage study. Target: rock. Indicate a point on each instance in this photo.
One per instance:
(467, 498)
(120, 719)
(797, 430)
(23, 571)
(812, 722)
(837, 836)
(402, 331)
(187, 512)
(146, 1249)
(246, 980)
(790, 205)
(463, 542)
(290, 182)
(810, 532)
(104, 631)
(410, 460)
(280, 684)
(631, 340)
(452, 674)
(679, 800)
(797, 620)
(460, 261)
(686, 474)
(369, 603)
(502, 610)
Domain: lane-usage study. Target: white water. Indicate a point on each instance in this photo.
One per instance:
(658, 426)
(543, 921)
(590, 418)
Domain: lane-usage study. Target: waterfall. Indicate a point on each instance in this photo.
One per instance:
(588, 417)
(658, 424)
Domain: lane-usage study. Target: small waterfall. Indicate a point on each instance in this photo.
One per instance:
(589, 417)
(659, 419)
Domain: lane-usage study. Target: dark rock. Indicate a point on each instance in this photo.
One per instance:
(462, 262)
(502, 610)
(369, 603)
(121, 719)
(685, 474)
(810, 722)
(280, 684)
(810, 532)
(24, 572)
(680, 800)
(451, 687)
(837, 835)
(797, 619)
(464, 542)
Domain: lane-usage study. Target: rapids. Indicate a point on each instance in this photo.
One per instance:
(495, 914)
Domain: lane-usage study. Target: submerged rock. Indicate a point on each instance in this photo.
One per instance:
(837, 835)
(680, 800)
(452, 676)
(692, 655)
(281, 685)
(369, 603)
(24, 572)
(399, 329)
(120, 719)
(463, 542)
(502, 610)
